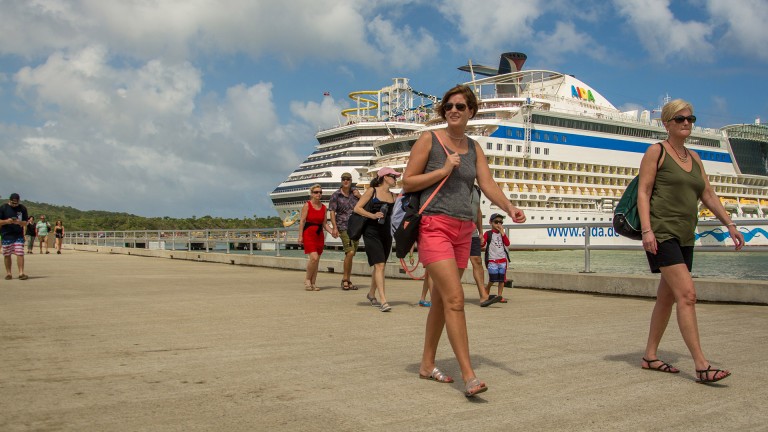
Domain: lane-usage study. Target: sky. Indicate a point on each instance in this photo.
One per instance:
(187, 108)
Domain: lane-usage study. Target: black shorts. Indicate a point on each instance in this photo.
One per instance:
(474, 248)
(670, 253)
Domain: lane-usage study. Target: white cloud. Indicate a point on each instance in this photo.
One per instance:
(139, 131)
(492, 26)
(745, 25)
(662, 34)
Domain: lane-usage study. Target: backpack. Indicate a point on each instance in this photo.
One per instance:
(405, 222)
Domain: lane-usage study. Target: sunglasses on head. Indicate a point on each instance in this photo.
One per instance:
(346, 178)
(679, 119)
(459, 106)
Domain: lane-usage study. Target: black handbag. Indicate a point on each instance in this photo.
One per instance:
(356, 226)
(356, 223)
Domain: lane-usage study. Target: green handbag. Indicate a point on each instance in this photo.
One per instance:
(626, 221)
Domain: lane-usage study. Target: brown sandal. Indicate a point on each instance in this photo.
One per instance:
(345, 285)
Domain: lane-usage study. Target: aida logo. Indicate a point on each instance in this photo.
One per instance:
(581, 93)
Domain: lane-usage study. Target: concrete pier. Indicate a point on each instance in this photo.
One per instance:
(112, 342)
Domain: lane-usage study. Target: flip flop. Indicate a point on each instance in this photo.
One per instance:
(437, 375)
(474, 383)
(663, 367)
(491, 300)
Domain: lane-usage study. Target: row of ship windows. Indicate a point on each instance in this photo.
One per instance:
(516, 148)
(577, 219)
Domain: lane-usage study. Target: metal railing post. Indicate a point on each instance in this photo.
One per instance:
(587, 250)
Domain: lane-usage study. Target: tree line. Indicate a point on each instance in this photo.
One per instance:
(98, 220)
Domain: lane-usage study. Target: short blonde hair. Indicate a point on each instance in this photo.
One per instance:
(672, 107)
(314, 186)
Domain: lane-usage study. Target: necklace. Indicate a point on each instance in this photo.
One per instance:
(453, 137)
(684, 157)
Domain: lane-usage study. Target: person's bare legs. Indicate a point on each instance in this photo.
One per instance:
(312, 265)
(478, 272)
(20, 264)
(8, 263)
(447, 311)
(348, 257)
(377, 280)
(676, 286)
(426, 287)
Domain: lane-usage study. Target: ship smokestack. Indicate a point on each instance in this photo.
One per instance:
(511, 62)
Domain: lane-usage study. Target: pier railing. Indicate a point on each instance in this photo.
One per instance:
(274, 239)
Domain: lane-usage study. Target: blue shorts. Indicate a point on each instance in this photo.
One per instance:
(497, 271)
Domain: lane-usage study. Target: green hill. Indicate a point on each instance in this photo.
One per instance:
(97, 220)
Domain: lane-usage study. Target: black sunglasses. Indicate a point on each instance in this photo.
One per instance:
(346, 178)
(317, 192)
(392, 176)
(498, 221)
(459, 106)
(679, 119)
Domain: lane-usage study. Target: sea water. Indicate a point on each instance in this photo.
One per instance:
(720, 265)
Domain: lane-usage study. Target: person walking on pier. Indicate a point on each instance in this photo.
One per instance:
(667, 201)
(496, 255)
(58, 233)
(311, 236)
(445, 232)
(30, 231)
(475, 252)
(377, 234)
(13, 221)
(341, 206)
(41, 230)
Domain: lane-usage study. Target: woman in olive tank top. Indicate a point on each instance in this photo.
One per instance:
(667, 203)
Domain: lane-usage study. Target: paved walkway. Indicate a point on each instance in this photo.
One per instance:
(99, 342)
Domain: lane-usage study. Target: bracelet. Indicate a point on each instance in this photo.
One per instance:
(645, 232)
(731, 224)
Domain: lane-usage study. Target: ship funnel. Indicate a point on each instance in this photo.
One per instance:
(511, 62)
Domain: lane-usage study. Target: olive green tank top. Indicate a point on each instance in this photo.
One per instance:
(675, 202)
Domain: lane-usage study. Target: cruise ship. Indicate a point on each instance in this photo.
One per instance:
(559, 150)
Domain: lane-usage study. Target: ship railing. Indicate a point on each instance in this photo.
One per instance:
(211, 240)
(261, 240)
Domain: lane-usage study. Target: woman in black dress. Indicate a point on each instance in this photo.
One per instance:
(377, 236)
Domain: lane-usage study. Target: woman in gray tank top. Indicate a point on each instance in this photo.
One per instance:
(446, 226)
(667, 203)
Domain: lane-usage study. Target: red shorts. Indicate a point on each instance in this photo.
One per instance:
(443, 237)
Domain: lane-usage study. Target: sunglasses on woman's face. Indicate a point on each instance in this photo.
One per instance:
(459, 106)
(317, 192)
(392, 176)
(679, 119)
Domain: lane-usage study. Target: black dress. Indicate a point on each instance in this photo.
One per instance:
(377, 236)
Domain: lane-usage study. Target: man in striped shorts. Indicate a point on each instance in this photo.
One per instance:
(13, 220)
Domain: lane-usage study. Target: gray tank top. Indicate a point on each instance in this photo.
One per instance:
(454, 198)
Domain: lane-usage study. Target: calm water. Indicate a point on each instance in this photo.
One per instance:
(727, 265)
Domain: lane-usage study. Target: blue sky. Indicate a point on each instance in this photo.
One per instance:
(191, 108)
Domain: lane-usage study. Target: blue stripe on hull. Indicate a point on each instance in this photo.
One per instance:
(601, 143)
